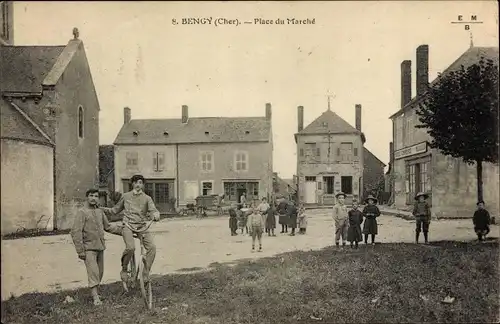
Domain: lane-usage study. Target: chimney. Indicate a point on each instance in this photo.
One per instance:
(126, 115)
(300, 118)
(405, 82)
(358, 117)
(268, 111)
(185, 115)
(422, 69)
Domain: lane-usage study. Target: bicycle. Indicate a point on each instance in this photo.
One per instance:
(136, 270)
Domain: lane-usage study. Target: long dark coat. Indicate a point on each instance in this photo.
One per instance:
(354, 233)
(233, 220)
(370, 213)
(271, 218)
(481, 220)
(282, 212)
(292, 216)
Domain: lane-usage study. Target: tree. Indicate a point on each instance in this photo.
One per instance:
(460, 113)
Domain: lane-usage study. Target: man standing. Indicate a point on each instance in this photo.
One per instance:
(88, 237)
(138, 208)
(243, 200)
(341, 218)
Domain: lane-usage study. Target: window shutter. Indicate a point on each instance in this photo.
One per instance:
(355, 151)
(318, 151)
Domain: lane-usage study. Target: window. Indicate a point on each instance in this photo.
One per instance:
(309, 178)
(346, 151)
(355, 151)
(329, 181)
(346, 185)
(241, 161)
(409, 131)
(207, 161)
(318, 151)
(132, 160)
(158, 161)
(234, 190)
(80, 121)
(412, 178)
(206, 188)
(424, 181)
(301, 152)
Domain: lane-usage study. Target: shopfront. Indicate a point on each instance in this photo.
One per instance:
(418, 171)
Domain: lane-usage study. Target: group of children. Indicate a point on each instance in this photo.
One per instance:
(261, 218)
(348, 222)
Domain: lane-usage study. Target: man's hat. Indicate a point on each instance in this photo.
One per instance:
(375, 200)
(421, 194)
(480, 202)
(340, 194)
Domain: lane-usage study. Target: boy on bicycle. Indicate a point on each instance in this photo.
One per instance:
(138, 209)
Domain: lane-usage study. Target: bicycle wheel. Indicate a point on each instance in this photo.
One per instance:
(146, 291)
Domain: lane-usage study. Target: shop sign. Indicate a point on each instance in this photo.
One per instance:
(411, 150)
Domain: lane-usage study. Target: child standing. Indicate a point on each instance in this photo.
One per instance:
(233, 221)
(355, 220)
(340, 216)
(283, 214)
(302, 218)
(422, 213)
(256, 225)
(88, 237)
(481, 220)
(370, 213)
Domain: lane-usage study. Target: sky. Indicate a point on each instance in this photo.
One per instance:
(353, 51)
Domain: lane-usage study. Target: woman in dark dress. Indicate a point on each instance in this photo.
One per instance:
(292, 213)
(354, 234)
(370, 213)
(283, 215)
(271, 220)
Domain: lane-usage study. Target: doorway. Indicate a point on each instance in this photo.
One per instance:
(329, 184)
(346, 185)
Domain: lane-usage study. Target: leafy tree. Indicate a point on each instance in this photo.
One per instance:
(460, 113)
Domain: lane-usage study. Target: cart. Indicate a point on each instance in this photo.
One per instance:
(204, 203)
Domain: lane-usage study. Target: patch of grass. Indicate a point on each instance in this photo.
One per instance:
(388, 283)
(33, 233)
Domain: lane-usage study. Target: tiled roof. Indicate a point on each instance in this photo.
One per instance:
(16, 126)
(468, 58)
(220, 130)
(329, 122)
(24, 68)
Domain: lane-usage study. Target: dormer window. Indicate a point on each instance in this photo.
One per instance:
(136, 133)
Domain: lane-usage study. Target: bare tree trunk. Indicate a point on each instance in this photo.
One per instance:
(479, 169)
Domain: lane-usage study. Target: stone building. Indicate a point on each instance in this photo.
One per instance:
(49, 133)
(187, 157)
(416, 167)
(331, 158)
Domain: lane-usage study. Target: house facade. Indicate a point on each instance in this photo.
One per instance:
(416, 167)
(51, 89)
(184, 158)
(329, 158)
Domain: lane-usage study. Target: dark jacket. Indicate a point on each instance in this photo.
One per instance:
(370, 213)
(292, 213)
(354, 230)
(481, 219)
(422, 209)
